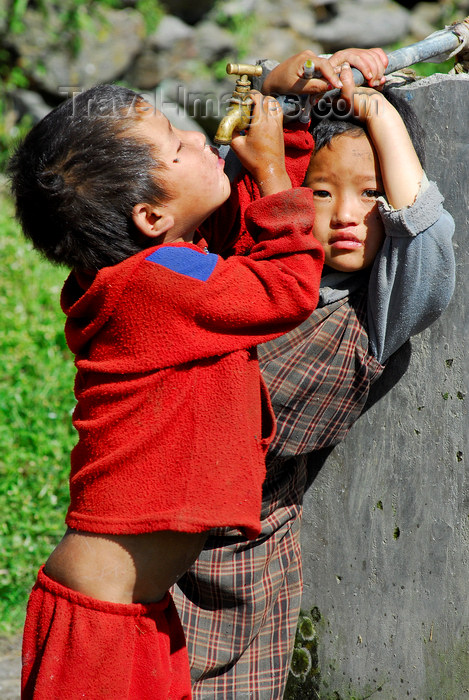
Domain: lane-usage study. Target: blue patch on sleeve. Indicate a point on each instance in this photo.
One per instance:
(186, 261)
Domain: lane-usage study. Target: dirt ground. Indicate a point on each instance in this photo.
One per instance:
(10, 668)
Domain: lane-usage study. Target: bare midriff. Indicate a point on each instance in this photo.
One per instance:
(123, 568)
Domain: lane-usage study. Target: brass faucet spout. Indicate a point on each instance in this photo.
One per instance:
(239, 114)
(237, 119)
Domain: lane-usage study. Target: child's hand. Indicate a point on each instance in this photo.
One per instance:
(365, 103)
(261, 150)
(287, 77)
(371, 62)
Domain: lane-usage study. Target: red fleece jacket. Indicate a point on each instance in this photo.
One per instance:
(172, 414)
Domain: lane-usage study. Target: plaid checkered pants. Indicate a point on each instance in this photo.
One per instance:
(239, 603)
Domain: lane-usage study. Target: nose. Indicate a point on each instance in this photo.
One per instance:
(197, 138)
(346, 210)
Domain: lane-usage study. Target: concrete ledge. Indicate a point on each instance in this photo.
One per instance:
(386, 529)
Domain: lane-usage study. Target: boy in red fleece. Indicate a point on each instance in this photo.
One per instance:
(172, 416)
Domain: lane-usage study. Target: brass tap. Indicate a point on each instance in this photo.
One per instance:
(238, 115)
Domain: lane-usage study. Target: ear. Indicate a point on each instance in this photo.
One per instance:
(152, 221)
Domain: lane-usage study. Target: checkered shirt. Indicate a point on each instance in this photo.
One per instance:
(319, 376)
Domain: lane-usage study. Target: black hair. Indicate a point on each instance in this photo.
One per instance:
(324, 130)
(78, 174)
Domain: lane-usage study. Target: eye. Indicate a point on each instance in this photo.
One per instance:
(372, 194)
(178, 150)
(322, 194)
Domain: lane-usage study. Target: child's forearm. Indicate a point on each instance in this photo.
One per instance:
(272, 179)
(401, 170)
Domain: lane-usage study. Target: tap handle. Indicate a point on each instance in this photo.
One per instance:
(243, 69)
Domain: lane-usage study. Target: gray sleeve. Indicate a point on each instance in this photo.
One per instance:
(413, 276)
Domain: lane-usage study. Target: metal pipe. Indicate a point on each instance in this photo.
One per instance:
(437, 46)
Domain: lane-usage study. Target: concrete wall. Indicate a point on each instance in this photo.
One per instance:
(386, 529)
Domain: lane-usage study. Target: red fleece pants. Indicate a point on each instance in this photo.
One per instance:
(77, 647)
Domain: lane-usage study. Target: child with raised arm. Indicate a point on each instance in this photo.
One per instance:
(389, 258)
(389, 273)
(173, 418)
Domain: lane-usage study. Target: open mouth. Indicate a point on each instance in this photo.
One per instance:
(221, 162)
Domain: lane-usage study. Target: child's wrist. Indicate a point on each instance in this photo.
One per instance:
(382, 116)
(272, 180)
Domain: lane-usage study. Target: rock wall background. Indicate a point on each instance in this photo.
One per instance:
(178, 50)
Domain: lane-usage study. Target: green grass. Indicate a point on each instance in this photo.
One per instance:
(36, 400)
(426, 69)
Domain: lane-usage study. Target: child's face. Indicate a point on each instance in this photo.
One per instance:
(194, 177)
(346, 180)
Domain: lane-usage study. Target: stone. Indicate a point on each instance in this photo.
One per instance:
(167, 54)
(235, 8)
(31, 103)
(300, 18)
(303, 22)
(106, 50)
(279, 43)
(171, 30)
(213, 42)
(424, 19)
(363, 25)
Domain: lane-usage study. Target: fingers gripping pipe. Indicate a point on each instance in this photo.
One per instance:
(439, 46)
